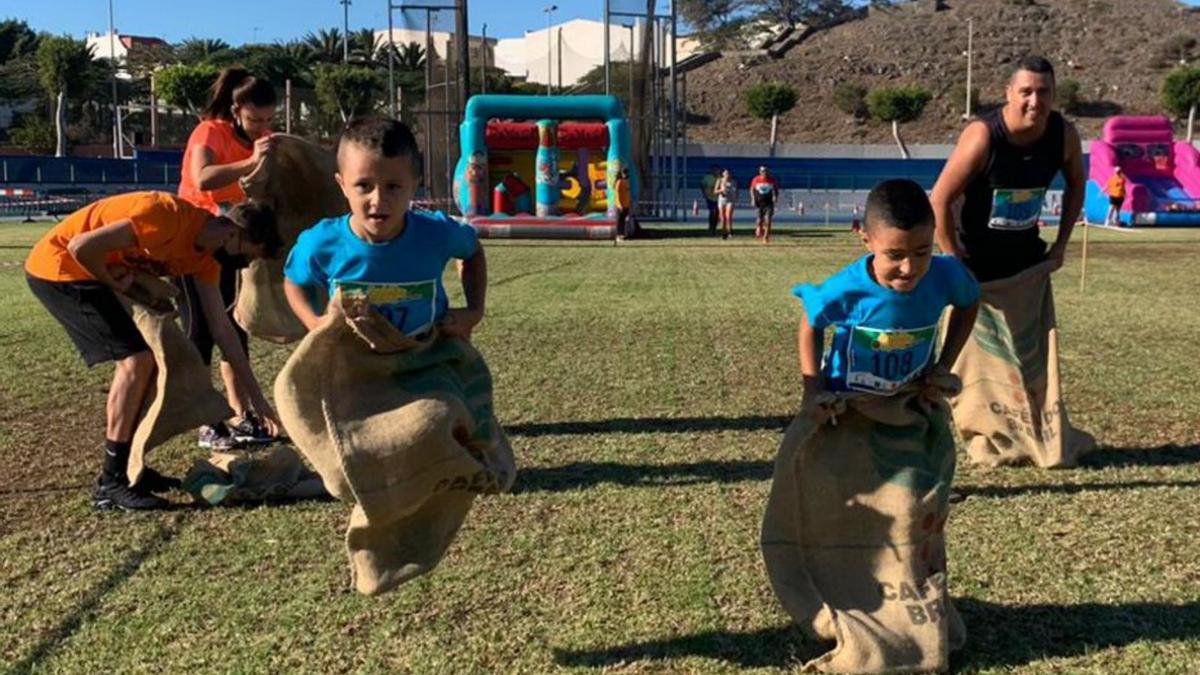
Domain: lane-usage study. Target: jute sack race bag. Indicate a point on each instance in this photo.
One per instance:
(1011, 409)
(275, 474)
(297, 181)
(181, 397)
(853, 535)
(401, 429)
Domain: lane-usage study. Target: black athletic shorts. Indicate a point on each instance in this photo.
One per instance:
(191, 313)
(93, 317)
(1116, 201)
(767, 210)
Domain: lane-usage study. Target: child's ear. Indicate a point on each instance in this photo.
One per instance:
(866, 238)
(337, 177)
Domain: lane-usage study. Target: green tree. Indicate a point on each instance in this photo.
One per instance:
(324, 46)
(1181, 94)
(770, 100)
(850, 98)
(186, 86)
(34, 134)
(64, 67)
(345, 92)
(17, 39)
(898, 105)
(195, 51)
(365, 47)
(1069, 95)
(276, 64)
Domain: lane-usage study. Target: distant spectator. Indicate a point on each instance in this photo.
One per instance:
(1116, 197)
(708, 188)
(726, 189)
(764, 191)
(624, 204)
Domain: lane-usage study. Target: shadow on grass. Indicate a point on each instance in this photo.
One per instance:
(1163, 455)
(584, 475)
(86, 607)
(656, 425)
(997, 636)
(700, 231)
(1001, 491)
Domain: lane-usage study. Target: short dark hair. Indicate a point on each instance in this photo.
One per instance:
(257, 223)
(388, 137)
(898, 203)
(1034, 64)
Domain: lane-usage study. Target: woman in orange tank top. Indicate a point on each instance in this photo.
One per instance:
(232, 139)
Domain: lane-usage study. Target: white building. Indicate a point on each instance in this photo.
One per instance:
(442, 43)
(580, 42)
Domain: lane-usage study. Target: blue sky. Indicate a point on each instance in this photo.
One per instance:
(239, 21)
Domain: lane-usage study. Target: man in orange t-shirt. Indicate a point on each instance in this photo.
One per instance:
(1116, 197)
(79, 266)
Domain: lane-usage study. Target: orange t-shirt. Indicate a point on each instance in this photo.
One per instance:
(165, 227)
(222, 141)
(624, 200)
(1116, 187)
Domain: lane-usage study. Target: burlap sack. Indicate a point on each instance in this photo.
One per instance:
(298, 183)
(273, 475)
(182, 396)
(1011, 409)
(853, 535)
(403, 430)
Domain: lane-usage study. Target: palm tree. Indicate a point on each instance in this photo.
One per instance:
(201, 50)
(364, 46)
(324, 46)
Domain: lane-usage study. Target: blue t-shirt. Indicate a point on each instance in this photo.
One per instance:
(401, 278)
(883, 338)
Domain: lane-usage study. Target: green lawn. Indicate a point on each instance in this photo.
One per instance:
(645, 387)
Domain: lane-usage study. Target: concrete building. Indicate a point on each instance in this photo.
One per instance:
(442, 43)
(581, 44)
(117, 46)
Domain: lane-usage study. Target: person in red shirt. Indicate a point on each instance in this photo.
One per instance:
(79, 267)
(232, 140)
(764, 190)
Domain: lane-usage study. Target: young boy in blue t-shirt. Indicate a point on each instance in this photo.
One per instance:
(885, 307)
(382, 250)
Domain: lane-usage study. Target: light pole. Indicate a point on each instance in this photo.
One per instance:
(970, 55)
(345, 30)
(483, 61)
(549, 51)
(630, 26)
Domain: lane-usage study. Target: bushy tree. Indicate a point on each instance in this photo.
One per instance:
(1069, 96)
(770, 99)
(34, 134)
(186, 86)
(195, 51)
(64, 67)
(1181, 94)
(345, 92)
(898, 105)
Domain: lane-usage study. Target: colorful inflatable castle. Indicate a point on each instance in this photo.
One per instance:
(527, 172)
(1162, 175)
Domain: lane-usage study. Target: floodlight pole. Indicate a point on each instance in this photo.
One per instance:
(112, 53)
(970, 56)
(483, 62)
(549, 49)
(463, 67)
(391, 62)
(674, 106)
(428, 102)
(607, 60)
(345, 30)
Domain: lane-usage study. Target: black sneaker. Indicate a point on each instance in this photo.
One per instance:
(153, 481)
(114, 494)
(216, 437)
(250, 430)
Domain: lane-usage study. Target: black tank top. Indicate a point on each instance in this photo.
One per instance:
(1003, 203)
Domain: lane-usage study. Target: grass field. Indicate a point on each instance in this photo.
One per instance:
(645, 387)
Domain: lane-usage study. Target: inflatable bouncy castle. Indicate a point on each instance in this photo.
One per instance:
(1162, 174)
(542, 166)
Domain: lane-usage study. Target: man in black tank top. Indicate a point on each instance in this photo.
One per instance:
(1001, 168)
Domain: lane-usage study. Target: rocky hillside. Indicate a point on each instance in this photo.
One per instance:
(1114, 48)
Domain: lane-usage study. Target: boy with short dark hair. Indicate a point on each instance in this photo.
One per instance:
(382, 249)
(79, 266)
(885, 306)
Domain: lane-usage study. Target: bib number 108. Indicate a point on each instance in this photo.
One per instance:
(892, 366)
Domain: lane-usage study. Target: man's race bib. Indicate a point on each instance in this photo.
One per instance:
(764, 188)
(882, 361)
(410, 306)
(1016, 209)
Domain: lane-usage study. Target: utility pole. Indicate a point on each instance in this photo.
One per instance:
(112, 53)
(483, 62)
(560, 87)
(970, 56)
(607, 60)
(345, 30)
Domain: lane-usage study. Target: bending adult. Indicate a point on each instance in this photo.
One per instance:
(1001, 168)
(231, 141)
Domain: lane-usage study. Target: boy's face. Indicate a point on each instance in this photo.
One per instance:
(901, 257)
(378, 189)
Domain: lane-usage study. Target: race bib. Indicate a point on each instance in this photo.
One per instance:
(882, 361)
(764, 188)
(1016, 209)
(410, 306)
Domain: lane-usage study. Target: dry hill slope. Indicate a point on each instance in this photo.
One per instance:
(1112, 47)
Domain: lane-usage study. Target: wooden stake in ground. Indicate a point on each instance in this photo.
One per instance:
(1083, 272)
